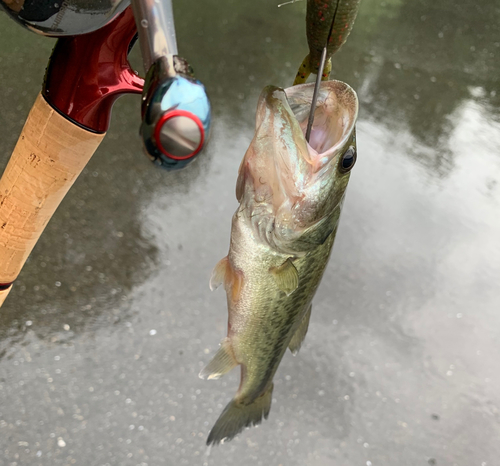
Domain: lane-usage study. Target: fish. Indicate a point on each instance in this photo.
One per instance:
(290, 195)
(328, 22)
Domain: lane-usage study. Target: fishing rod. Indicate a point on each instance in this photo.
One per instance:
(317, 84)
(87, 71)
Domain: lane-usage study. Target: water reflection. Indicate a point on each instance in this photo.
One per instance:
(417, 76)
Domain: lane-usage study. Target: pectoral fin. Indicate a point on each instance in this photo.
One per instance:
(300, 333)
(219, 274)
(286, 277)
(224, 273)
(221, 364)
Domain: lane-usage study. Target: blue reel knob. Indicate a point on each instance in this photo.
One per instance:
(175, 116)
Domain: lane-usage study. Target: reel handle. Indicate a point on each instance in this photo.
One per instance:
(49, 155)
(176, 114)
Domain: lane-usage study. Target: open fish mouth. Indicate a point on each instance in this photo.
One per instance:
(280, 166)
(334, 117)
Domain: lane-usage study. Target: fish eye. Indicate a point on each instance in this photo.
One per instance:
(348, 159)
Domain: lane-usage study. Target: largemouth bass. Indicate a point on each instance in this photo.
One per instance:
(291, 194)
(328, 22)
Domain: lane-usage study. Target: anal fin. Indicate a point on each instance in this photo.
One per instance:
(222, 362)
(300, 333)
(286, 277)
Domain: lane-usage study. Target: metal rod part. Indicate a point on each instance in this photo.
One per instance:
(155, 25)
(315, 94)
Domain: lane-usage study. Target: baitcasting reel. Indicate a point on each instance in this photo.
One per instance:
(175, 108)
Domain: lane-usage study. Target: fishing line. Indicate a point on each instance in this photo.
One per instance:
(318, 77)
(288, 3)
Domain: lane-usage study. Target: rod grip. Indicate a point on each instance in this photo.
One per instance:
(49, 155)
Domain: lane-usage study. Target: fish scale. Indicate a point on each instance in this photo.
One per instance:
(290, 311)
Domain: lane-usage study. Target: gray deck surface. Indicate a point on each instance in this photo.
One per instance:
(110, 321)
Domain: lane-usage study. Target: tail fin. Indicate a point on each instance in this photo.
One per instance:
(236, 416)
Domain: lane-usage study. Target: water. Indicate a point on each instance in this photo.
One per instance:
(110, 321)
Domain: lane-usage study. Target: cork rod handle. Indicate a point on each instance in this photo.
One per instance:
(49, 155)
